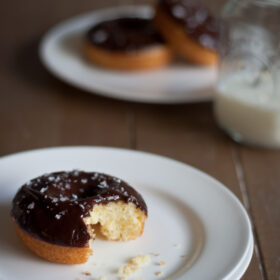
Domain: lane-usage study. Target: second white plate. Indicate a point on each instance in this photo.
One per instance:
(61, 51)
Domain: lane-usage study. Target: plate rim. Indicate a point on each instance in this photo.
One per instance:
(198, 172)
(243, 266)
(98, 90)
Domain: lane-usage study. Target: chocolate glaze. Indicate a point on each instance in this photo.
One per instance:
(52, 207)
(196, 20)
(124, 34)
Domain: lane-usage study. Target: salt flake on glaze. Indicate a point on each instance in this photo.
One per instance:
(31, 205)
(84, 181)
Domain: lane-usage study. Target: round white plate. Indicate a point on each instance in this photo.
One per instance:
(190, 213)
(61, 51)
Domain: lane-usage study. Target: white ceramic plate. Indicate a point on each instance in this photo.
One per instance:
(186, 207)
(61, 52)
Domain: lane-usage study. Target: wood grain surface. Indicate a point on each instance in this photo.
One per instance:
(37, 110)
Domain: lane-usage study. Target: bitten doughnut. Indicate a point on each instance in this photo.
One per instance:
(55, 214)
(127, 43)
(189, 29)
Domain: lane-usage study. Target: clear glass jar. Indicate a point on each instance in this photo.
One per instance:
(247, 99)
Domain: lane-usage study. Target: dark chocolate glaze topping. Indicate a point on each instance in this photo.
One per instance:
(196, 20)
(52, 207)
(124, 34)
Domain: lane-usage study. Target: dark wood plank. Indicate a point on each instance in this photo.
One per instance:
(188, 133)
(262, 179)
(36, 109)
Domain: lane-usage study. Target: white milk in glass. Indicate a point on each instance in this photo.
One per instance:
(247, 106)
(247, 100)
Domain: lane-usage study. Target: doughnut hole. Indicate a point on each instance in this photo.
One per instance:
(117, 220)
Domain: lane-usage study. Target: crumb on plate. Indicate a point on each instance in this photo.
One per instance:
(140, 260)
(156, 254)
(128, 269)
(86, 273)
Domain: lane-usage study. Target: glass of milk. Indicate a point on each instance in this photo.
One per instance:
(247, 99)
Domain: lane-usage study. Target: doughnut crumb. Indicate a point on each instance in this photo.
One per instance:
(128, 269)
(155, 254)
(133, 265)
(140, 260)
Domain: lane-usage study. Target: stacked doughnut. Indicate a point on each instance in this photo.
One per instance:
(181, 27)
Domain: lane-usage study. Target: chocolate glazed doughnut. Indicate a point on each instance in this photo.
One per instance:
(189, 28)
(54, 214)
(127, 43)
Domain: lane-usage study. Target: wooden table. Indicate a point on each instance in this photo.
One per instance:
(37, 110)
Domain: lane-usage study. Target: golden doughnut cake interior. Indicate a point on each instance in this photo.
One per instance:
(118, 220)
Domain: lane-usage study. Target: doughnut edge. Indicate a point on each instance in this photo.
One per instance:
(151, 58)
(53, 252)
